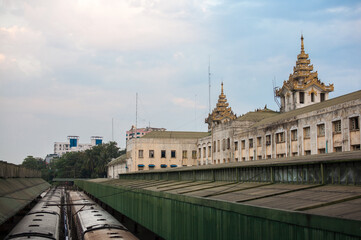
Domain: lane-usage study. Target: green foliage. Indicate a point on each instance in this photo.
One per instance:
(34, 163)
(91, 163)
(40, 165)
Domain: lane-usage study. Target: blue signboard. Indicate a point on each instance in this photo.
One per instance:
(98, 141)
(73, 142)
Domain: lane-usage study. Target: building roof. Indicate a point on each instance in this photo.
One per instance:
(258, 115)
(318, 106)
(176, 134)
(121, 159)
(303, 76)
(222, 112)
(16, 193)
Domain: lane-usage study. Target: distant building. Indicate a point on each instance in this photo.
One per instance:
(140, 132)
(50, 157)
(303, 87)
(117, 166)
(73, 145)
(308, 123)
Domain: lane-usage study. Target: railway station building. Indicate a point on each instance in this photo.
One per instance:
(307, 123)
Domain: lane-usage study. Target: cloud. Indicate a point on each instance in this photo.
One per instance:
(187, 103)
(68, 67)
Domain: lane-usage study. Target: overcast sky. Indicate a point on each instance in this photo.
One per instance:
(68, 67)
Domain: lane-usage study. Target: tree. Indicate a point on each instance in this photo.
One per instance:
(34, 163)
(89, 164)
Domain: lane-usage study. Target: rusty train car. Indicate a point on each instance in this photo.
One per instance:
(43, 221)
(92, 222)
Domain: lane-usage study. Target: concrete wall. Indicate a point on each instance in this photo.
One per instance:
(157, 145)
(331, 141)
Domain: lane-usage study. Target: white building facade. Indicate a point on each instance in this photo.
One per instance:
(73, 145)
(308, 123)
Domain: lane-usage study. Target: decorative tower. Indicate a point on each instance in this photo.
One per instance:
(221, 113)
(303, 87)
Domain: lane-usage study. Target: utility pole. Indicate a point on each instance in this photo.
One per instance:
(209, 84)
(112, 129)
(135, 134)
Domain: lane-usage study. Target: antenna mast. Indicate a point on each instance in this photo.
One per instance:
(209, 84)
(136, 112)
(274, 93)
(135, 134)
(112, 129)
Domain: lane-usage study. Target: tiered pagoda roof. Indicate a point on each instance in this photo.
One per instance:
(221, 113)
(303, 76)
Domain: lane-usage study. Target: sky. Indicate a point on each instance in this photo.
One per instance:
(74, 67)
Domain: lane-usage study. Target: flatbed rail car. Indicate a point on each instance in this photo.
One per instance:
(43, 221)
(93, 222)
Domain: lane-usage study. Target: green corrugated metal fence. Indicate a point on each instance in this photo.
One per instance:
(174, 216)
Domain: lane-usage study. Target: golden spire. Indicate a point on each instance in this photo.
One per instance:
(303, 75)
(222, 112)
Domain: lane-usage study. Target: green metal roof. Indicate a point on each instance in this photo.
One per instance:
(121, 159)
(257, 115)
(16, 193)
(176, 134)
(318, 106)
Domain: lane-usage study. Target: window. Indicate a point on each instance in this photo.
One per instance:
(214, 146)
(204, 152)
(355, 147)
(268, 140)
(321, 130)
(235, 146)
(199, 152)
(194, 154)
(162, 154)
(224, 144)
(250, 143)
(306, 132)
(259, 141)
(302, 97)
(321, 150)
(172, 154)
(294, 135)
(243, 144)
(218, 146)
(228, 143)
(209, 151)
(312, 97)
(337, 149)
(322, 97)
(337, 126)
(280, 137)
(151, 153)
(184, 154)
(354, 124)
(308, 152)
(140, 154)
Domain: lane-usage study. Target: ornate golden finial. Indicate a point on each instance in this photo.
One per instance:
(222, 112)
(302, 46)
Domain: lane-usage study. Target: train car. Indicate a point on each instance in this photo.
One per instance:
(93, 222)
(43, 221)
